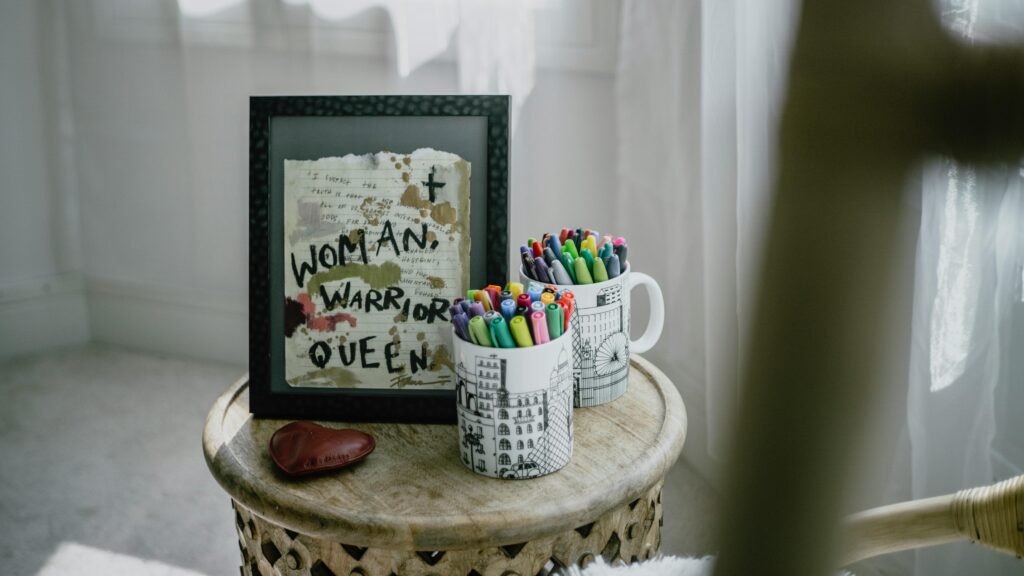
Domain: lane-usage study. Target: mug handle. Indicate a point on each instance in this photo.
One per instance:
(656, 321)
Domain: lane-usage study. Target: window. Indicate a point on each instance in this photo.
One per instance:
(519, 401)
(520, 458)
(519, 430)
(540, 426)
(504, 460)
(529, 444)
(503, 430)
(519, 413)
(519, 445)
(503, 414)
(528, 413)
(529, 428)
(504, 444)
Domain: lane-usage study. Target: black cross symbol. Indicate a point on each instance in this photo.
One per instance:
(431, 184)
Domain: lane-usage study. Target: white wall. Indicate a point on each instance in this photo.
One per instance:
(161, 115)
(41, 300)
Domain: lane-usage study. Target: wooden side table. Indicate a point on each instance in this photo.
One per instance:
(412, 508)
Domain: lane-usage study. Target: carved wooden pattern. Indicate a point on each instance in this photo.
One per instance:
(629, 533)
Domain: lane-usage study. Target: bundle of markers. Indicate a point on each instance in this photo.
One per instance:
(574, 257)
(512, 318)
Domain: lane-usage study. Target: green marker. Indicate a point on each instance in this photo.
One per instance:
(500, 334)
(556, 320)
(600, 272)
(589, 257)
(478, 330)
(567, 261)
(520, 332)
(570, 247)
(582, 273)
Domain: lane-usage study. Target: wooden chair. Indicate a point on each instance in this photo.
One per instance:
(992, 516)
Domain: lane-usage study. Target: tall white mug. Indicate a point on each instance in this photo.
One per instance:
(601, 343)
(514, 407)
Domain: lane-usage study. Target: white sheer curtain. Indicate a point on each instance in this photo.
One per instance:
(967, 299)
(700, 85)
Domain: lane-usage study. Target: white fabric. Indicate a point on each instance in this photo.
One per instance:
(73, 559)
(661, 566)
(699, 88)
(968, 289)
(698, 109)
(495, 48)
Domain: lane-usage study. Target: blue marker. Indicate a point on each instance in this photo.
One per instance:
(555, 246)
(508, 308)
(534, 291)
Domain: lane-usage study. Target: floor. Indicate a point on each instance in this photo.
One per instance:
(102, 466)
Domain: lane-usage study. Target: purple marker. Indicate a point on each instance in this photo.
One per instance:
(543, 272)
(476, 309)
(461, 324)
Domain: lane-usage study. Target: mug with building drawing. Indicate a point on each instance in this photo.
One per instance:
(514, 407)
(600, 339)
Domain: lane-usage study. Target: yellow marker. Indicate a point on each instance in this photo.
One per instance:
(482, 297)
(515, 288)
(547, 298)
(520, 333)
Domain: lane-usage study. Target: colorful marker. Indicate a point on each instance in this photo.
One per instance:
(539, 322)
(520, 333)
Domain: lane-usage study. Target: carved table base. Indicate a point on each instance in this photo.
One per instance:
(629, 533)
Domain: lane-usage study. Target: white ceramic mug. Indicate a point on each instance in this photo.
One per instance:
(514, 407)
(601, 343)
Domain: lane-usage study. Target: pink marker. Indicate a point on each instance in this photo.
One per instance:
(620, 241)
(540, 327)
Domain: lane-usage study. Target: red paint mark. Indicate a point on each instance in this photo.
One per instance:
(308, 306)
(329, 323)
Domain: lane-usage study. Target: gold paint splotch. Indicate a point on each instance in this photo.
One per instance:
(377, 276)
(368, 213)
(444, 214)
(435, 282)
(441, 358)
(407, 160)
(327, 378)
(420, 336)
(413, 199)
(398, 166)
(405, 177)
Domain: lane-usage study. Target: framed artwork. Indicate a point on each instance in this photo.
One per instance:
(368, 215)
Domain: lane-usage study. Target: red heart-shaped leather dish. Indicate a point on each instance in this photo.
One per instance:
(303, 448)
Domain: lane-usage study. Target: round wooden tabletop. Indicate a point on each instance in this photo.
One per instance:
(413, 492)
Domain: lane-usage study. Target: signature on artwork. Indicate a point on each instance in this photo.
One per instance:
(404, 380)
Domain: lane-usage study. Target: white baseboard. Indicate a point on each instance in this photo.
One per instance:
(170, 319)
(43, 313)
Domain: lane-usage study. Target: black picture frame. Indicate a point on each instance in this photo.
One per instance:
(376, 121)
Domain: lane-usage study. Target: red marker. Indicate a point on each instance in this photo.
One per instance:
(537, 250)
(566, 312)
(495, 294)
